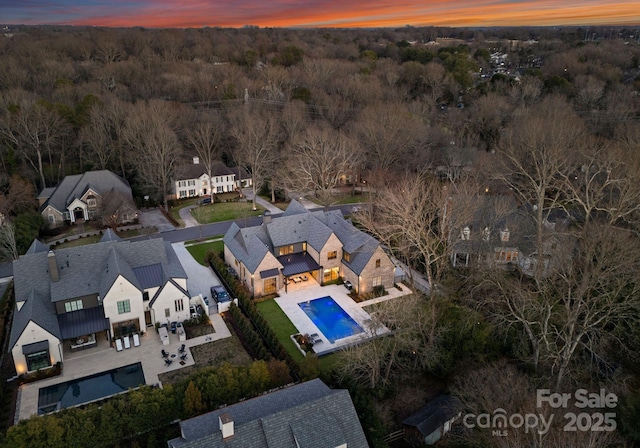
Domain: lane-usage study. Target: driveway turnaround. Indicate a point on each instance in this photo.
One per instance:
(199, 278)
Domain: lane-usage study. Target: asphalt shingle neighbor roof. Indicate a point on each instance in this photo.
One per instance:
(85, 271)
(297, 224)
(307, 415)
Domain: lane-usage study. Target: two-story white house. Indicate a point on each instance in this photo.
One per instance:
(193, 180)
(318, 245)
(73, 298)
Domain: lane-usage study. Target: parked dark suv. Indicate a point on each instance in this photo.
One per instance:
(220, 294)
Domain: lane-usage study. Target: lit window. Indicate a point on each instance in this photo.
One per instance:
(377, 281)
(332, 255)
(346, 256)
(286, 250)
(124, 306)
(270, 285)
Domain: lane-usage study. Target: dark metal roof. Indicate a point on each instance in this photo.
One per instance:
(298, 263)
(82, 322)
(434, 414)
(149, 276)
(36, 347)
(269, 273)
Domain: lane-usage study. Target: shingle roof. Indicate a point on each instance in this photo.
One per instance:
(84, 271)
(75, 186)
(295, 225)
(36, 247)
(37, 308)
(308, 415)
(109, 235)
(194, 171)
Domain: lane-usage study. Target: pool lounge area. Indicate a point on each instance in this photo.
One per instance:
(329, 315)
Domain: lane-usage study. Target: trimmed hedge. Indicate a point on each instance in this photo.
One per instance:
(248, 308)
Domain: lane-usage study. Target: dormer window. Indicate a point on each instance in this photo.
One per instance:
(504, 235)
(486, 233)
(346, 256)
(466, 233)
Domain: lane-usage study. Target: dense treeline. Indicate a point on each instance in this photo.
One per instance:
(147, 417)
(548, 117)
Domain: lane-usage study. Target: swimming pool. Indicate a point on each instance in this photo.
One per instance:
(330, 318)
(89, 388)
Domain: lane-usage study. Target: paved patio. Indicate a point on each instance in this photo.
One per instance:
(306, 291)
(103, 357)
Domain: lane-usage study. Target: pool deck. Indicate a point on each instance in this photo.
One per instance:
(103, 358)
(307, 291)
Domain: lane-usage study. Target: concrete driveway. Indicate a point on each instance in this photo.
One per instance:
(199, 278)
(154, 217)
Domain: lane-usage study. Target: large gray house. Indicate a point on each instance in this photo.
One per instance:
(321, 244)
(93, 195)
(71, 299)
(307, 415)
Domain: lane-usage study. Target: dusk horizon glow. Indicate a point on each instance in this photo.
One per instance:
(320, 13)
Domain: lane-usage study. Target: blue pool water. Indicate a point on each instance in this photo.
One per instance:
(89, 388)
(330, 318)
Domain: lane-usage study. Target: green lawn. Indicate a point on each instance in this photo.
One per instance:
(80, 241)
(281, 325)
(224, 211)
(199, 251)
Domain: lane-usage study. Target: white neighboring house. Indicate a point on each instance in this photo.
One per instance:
(193, 180)
(70, 299)
(93, 195)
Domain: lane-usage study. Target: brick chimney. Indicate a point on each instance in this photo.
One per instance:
(226, 425)
(53, 266)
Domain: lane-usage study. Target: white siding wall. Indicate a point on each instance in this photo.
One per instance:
(122, 289)
(167, 299)
(35, 333)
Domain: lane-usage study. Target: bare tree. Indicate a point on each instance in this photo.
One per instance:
(319, 158)
(413, 344)
(8, 242)
(155, 150)
(35, 131)
(205, 137)
(257, 135)
(388, 134)
(536, 149)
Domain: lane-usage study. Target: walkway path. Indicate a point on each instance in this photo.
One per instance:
(248, 193)
(187, 218)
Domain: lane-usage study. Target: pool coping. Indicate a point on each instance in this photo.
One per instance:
(288, 303)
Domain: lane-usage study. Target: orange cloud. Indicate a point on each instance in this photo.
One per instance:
(325, 13)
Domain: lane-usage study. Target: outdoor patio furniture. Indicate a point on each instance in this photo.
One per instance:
(127, 342)
(183, 357)
(314, 336)
(167, 362)
(317, 341)
(136, 340)
(182, 348)
(165, 354)
(305, 278)
(119, 345)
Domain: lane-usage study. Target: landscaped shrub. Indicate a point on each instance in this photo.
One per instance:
(251, 341)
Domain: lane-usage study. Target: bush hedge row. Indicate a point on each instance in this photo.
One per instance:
(248, 307)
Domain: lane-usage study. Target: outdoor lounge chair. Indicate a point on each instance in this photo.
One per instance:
(183, 357)
(165, 354)
(119, 345)
(304, 278)
(317, 341)
(182, 348)
(167, 362)
(136, 340)
(127, 342)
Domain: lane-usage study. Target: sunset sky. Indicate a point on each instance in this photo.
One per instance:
(320, 13)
